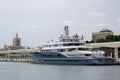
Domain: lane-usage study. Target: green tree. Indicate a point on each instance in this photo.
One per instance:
(100, 40)
(110, 38)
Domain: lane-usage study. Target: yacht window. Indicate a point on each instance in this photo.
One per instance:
(65, 44)
(72, 44)
(82, 48)
(49, 55)
(87, 54)
(71, 40)
(60, 50)
(46, 50)
(55, 45)
(71, 49)
(77, 44)
(58, 55)
(63, 40)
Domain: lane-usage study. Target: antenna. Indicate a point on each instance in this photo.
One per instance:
(82, 37)
(16, 34)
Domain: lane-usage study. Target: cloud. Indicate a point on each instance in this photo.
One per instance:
(96, 14)
(118, 19)
(67, 22)
(34, 26)
(85, 25)
(104, 26)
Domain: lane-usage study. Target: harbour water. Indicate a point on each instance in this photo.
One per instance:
(29, 71)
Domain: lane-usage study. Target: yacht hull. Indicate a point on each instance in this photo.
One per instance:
(41, 58)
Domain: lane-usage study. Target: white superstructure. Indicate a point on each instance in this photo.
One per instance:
(71, 46)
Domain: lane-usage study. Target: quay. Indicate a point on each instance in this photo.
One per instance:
(114, 45)
(17, 55)
(21, 56)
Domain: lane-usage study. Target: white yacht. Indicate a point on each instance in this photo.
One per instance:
(70, 50)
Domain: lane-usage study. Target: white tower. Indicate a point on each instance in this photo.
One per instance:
(66, 32)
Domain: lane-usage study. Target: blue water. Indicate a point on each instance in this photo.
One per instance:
(28, 71)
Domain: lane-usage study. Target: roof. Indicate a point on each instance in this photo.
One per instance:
(106, 30)
(106, 44)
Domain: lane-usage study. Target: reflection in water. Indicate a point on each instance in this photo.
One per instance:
(27, 71)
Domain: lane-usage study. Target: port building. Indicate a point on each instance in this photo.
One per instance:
(102, 34)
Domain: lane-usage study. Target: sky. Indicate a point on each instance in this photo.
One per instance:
(38, 21)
